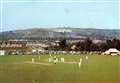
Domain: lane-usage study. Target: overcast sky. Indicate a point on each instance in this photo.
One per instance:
(51, 13)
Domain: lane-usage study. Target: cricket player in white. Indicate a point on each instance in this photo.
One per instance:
(86, 57)
(80, 63)
(33, 60)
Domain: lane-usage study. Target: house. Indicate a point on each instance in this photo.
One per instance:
(13, 47)
(112, 51)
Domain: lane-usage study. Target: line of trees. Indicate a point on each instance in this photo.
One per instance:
(88, 45)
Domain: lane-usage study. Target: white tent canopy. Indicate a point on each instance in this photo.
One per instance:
(112, 51)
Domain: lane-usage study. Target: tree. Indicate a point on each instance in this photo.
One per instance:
(116, 43)
(80, 46)
(88, 44)
(109, 44)
(63, 44)
(94, 47)
(103, 47)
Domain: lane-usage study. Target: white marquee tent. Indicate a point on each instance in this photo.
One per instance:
(112, 51)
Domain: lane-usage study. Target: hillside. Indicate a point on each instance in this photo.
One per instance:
(61, 32)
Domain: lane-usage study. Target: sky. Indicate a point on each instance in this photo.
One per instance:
(23, 14)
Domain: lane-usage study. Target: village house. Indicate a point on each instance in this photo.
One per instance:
(13, 47)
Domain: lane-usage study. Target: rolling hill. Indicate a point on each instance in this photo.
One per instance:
(61, 32)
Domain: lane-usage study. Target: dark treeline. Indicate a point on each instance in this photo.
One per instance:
(87, 45)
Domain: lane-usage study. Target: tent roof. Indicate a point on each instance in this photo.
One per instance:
(112, 50)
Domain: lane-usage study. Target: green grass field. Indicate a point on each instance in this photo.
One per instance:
(97, 69)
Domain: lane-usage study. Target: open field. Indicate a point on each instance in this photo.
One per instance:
(97, 69)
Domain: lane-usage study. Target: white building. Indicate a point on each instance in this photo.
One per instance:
(2, 52)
